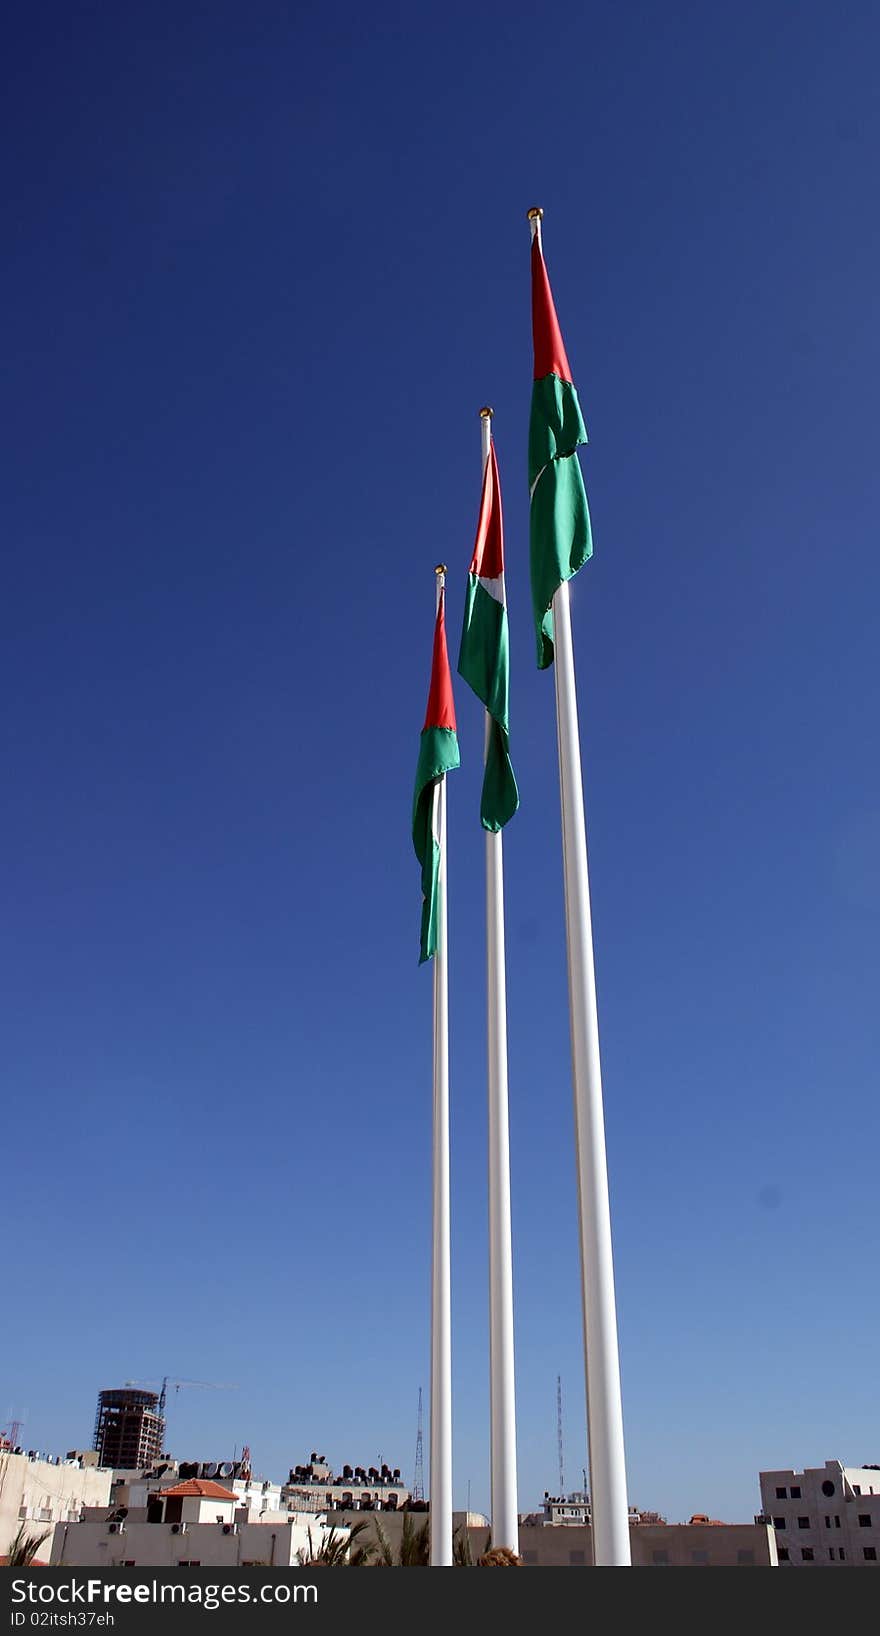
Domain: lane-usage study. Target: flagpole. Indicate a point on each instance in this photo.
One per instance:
(610, 1524)
(441, 1310)
(505, 1521)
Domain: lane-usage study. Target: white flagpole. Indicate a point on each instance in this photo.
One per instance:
(610, 1524)
(505, 1521)
(441, 1309)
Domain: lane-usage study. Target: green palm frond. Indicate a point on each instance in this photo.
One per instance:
(415, 1547)
(461, 1549)
(384, 1556)
(335, 1550)
(24, 1547)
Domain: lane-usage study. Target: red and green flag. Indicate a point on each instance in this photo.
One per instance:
(559, 521)
(484, 657)
(438, 754)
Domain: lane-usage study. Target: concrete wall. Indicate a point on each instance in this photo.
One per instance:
(391, 1523)
(329, 1496)
(47, 1494)
(656, 1545)
(569, 1545)
(151, 1544)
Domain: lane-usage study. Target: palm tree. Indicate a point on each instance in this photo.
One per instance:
(462, 1556)
(500, 1557)
(415, 1544)
(335, 1550)
(413, 1551)
(24, 1548)
(384, 1556)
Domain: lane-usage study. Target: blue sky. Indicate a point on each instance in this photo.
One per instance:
(262, 268)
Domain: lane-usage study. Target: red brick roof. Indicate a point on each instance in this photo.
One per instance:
(195, 1488)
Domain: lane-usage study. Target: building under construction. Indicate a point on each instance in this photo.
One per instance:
(129, 1429)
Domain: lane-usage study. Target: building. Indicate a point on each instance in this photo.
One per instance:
(41, 1491)
(192, 1524)
(569, 1510)
(310, 1488)
(828, 1515)
(570, 1545)
(129, 1429)
(653, 1545)
(313, 1487)
(137, 1488)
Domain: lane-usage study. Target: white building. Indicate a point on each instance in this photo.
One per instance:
(40, 1491)
(193, 1524)
(574, 1511)
(828, 1515)
(310, 1488)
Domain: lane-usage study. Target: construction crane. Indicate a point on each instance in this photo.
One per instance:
(206, 1385)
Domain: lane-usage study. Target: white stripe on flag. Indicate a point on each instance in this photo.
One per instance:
(495, 587)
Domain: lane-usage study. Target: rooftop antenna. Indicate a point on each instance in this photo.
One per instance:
(559, 1434)
(418, 1487)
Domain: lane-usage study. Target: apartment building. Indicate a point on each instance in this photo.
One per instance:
(827, 1515)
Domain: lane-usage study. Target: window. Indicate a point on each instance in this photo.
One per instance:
(782, 1553)
(856, 1489)
(577, 1559)
(831, 1553)
(807, 1553)
(869, 1552)
(864, 1520)
(828, 1488)
(795, 1493)
(842, 1554)
(700, 1558)
(827, 1522)
(837, 1522)
(782, 1493)
(660, 1559)
(745, 1558)
(803, 1522)
(778, 1522)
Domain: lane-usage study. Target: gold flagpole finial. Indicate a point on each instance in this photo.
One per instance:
(536, 214)
(486, 412)
(440, 570)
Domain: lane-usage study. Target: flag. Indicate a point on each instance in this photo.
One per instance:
(484, 657)
(559, 521)
(438, 754)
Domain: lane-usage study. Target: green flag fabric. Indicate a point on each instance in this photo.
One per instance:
(559, 518)
(438, 755)
(484, 656)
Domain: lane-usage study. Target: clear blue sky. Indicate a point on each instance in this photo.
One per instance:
(262, 267)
